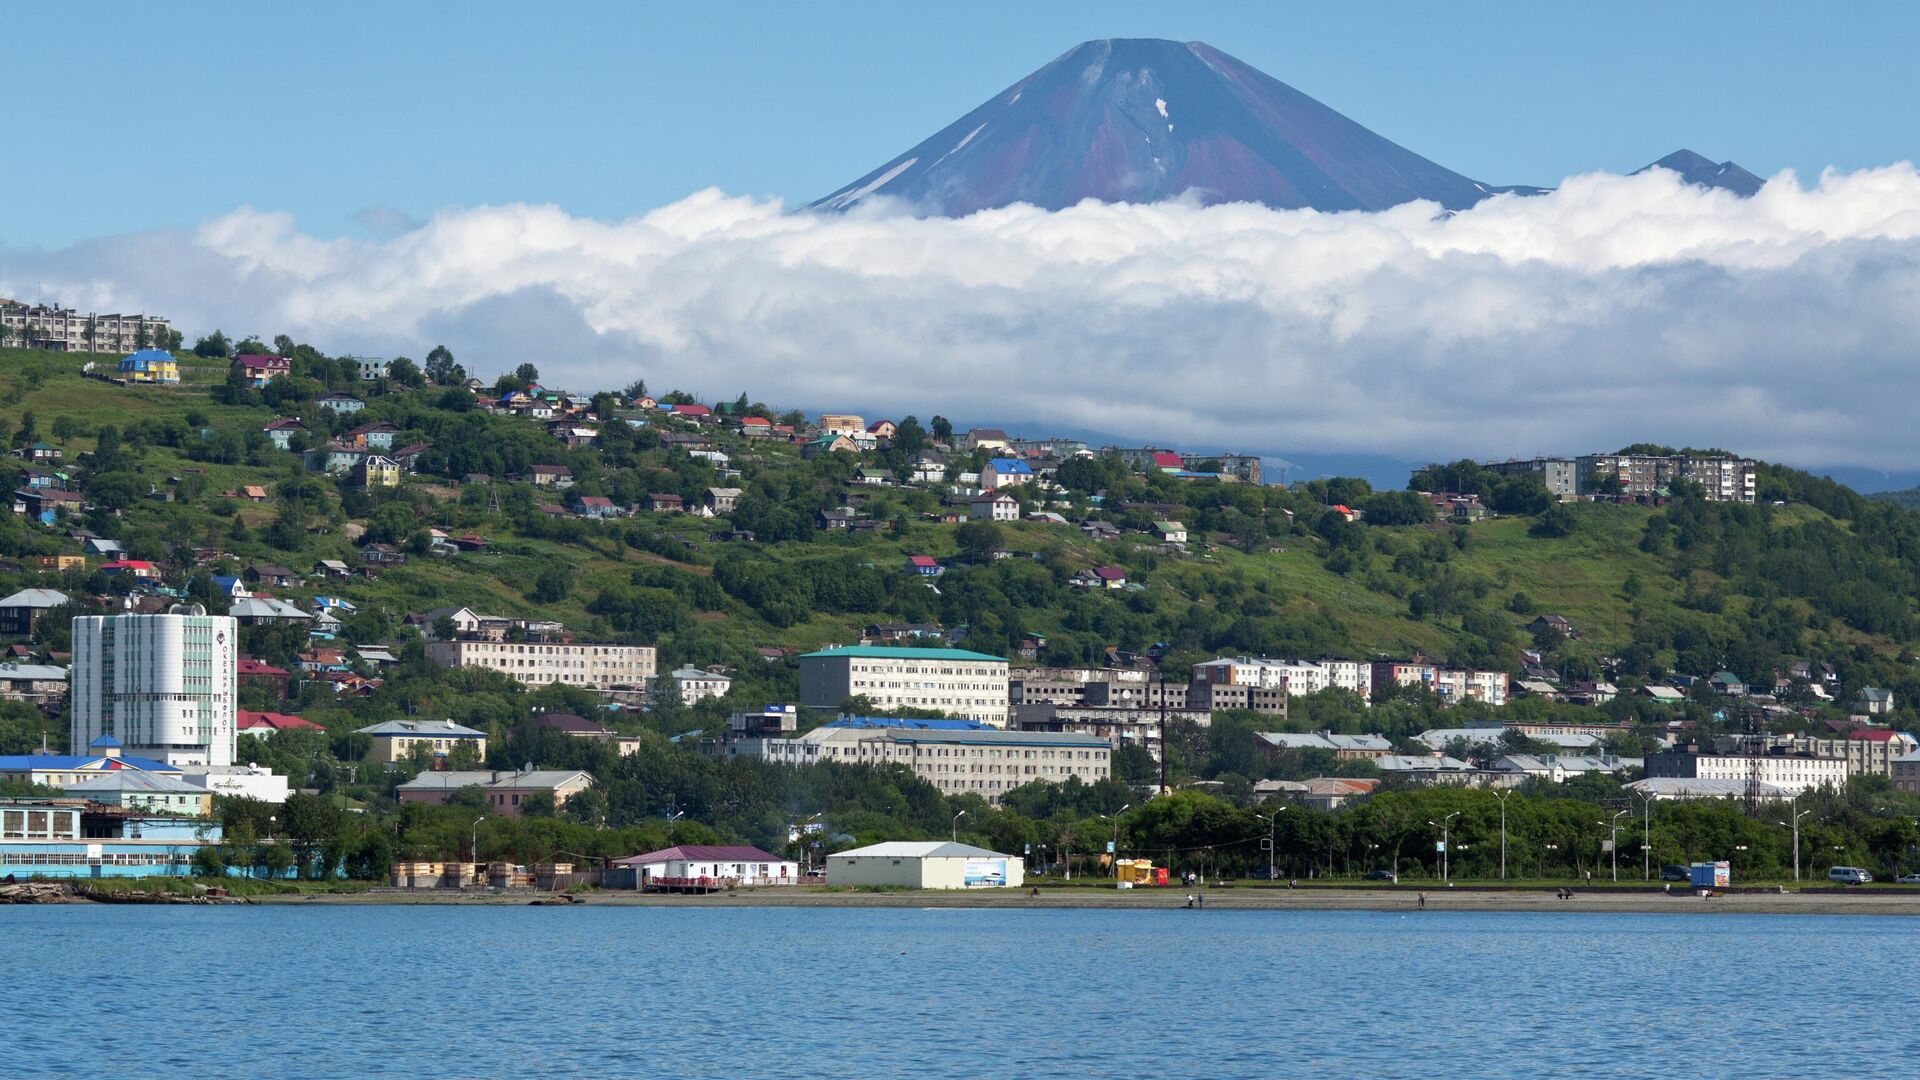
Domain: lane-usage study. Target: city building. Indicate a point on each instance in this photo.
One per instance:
(954, 681)
(256, 782)
(1669, 788)
(37, 684)
(72, 838)
(394, 740)
(1448, 684)
(1342, 747)
(1297, 678)
(22, 610)
(1561, 476)
(268, 723)
(708, 866)
(59, 770)
(1004, 472)
(257, 370)
(956, 756)
(155, 792)
(994, 506)
(163, 685)
(690, 684)
(62, 329)
(1905, 773)
(1642, 476)
(1792, 772)
(926, 864)
(505, 791)
(1120, 725)
(590, 665)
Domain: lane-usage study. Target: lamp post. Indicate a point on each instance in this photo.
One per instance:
(1797, 815)
(1543, 858)
(1445, 825)
(1273, 820)
(956, 825)
(1613, 839)
(1113, 847)
(1503, 796)
(1646, 836)
(474, 851)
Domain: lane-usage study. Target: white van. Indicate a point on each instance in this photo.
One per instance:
(1849, 875)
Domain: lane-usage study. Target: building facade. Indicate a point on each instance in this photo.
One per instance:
(591, 666)
(394, 740)
(1792, 773)
(955, 757)
(163, 685)
(926, 864)
(42, 326)
(954, 681)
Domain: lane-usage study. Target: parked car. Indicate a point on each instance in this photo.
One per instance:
(1381, 875)
(1849, 875)
(1907, 879)
(1675, 873)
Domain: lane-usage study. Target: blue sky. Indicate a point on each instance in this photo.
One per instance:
(345, 115)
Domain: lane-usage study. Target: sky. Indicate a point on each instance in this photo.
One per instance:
(603, 189)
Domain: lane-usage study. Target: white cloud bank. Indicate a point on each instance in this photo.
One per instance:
(1616, 309)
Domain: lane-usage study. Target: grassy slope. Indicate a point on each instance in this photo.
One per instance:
(1580, 576)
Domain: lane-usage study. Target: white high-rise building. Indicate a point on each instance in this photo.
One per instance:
(164, 685)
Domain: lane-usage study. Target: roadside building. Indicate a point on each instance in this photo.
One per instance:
(954, 681)
(71, 838)
(704, 867)
(394, 740)
(505, 791)
(926, 864)
(154, 792)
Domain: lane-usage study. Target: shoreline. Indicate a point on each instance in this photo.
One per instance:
(1174, 898)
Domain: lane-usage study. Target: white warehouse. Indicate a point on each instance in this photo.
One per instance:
(926, 864)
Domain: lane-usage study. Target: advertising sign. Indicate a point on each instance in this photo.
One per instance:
(984, 873)
(1439, 846)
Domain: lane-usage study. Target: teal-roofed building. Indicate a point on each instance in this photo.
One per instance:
(954, 682)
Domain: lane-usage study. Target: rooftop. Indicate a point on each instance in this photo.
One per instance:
(899, 652)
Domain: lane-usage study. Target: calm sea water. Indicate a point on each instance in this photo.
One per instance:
(698, 992)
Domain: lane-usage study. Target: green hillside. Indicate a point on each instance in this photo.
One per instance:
(1270, 571)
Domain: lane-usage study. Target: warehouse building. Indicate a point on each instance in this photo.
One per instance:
(926, 864)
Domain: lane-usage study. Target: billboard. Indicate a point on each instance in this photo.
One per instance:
(984, 873)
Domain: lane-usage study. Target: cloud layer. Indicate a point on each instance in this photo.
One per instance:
(1616, 309)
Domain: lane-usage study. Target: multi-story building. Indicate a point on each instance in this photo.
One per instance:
(164, 685)
(1906, 773)
(1297, 678)
(959, 683)
(1792, 773)
(43, 326)
(1560, 475)
(1119, 725)
(1721, 478)
(504, 791)
(1870, 751)
(589, 665)
(690, 684)
(958, 757)
(1449, 684)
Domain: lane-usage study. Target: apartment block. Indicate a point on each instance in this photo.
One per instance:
(959, 683)
(163, 685)
(958, 757)
(590, 665)
(42, 326)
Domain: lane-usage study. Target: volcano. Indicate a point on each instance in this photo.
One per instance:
(1144, 120)
(1702, 171)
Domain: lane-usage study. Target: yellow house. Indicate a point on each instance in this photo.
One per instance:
(62, 562)
(842, 423)
(375, 471)
(150, 366)
(394, 740)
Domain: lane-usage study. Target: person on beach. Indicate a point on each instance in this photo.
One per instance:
(1189, 901)
(1200, 900)
(1423, 901)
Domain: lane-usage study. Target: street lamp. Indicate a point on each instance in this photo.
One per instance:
(1613, 839)
(1543, 858)
(474, 851)
(1646, 836)
(1445, 825)
(1503, 796)
(1113, 847)
(956, 825)
(1797, 815)
(271, 820)
(1273, 820)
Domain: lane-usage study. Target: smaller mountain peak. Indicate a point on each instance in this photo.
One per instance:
(1702, 171)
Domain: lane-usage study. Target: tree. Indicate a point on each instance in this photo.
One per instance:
(527, 374)
(942, 429)
(214, 346)
(635, 389)
(1558, 521)
(404, 371)
(552, 585)
(978, 540)
(909, 437)
(439, 365)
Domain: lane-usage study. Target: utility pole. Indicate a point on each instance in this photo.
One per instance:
(1503, 796)
(474, 851)
(1646, 836)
